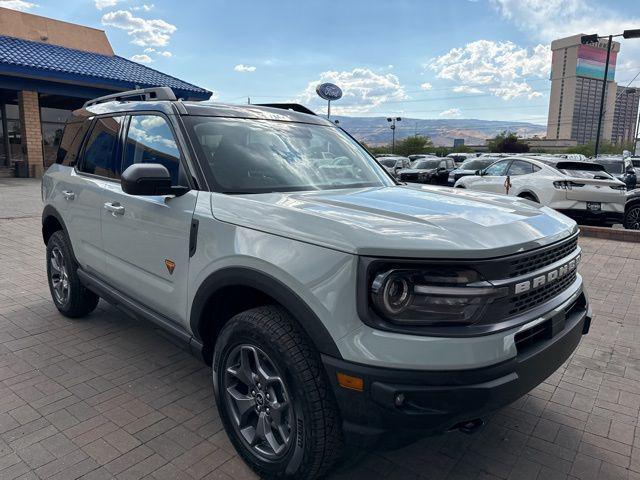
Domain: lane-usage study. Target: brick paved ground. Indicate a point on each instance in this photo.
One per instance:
(108, 397)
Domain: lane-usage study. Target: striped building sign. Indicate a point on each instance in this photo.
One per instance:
(591, 62)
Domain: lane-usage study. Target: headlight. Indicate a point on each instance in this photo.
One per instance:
(432, 296)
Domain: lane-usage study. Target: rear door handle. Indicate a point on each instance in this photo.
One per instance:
(115, 208)
(68, 195)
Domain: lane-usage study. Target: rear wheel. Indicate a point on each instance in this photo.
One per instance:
(632, 217)
(273, 398)
(70, 297)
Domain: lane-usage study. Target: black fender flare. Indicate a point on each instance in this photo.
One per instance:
(51, 211)
(248, 277)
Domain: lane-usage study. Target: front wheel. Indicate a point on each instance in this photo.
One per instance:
(273, 397)
(632, 218)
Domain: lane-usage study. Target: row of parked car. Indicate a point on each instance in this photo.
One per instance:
(596, 191)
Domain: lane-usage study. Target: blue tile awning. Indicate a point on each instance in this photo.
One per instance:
(47, 62)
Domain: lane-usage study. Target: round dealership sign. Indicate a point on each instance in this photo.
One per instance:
(329, 91)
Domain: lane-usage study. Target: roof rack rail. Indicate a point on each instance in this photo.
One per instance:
(143, 94)
(296, 107)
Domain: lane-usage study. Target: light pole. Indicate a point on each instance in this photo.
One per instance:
(587, 39)
(393, 121)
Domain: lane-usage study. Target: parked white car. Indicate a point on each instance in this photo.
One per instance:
(581, 190)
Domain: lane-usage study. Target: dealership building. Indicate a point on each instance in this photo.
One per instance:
(49, 68)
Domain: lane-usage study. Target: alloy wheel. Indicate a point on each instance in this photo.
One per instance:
(633, 219)
(58, 275)
(257, 398)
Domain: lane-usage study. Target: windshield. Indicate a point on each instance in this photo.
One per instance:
(611, 165)
(258, 156)
(477, 163)
(426, 164)
(387, 162)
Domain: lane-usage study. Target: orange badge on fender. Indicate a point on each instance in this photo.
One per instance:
(170, 264)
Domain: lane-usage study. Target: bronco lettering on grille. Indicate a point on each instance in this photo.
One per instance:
(547, 277)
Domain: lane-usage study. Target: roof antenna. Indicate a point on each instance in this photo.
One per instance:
(248, 100)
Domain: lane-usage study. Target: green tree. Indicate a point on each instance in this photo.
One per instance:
(413, 145)
(507, 142)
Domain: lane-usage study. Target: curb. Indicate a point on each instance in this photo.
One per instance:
(620, 234)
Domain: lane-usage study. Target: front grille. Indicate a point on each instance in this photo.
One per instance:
(525, 301)
(531, 263)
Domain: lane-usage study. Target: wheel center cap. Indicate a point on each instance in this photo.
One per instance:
(260, 399)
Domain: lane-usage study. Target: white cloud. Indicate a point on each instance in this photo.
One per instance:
(20, 5)
(142, 58)
(144, 7)
(451, 113)
(161, 53)
(244, 68)
(547, 20)
(426, 86)
(362, 90)
(502, 68)
(102, 4)
(466, 89)
(155, 33)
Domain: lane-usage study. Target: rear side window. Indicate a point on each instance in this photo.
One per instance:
(69, 149)
(150, 140)
(520, 167)
(100, 150)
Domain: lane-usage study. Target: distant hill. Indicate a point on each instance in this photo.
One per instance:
(376, 131)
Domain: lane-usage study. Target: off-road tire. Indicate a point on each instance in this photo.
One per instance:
(80, 301)
(318, 441)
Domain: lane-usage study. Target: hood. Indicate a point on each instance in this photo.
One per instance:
(400, 221)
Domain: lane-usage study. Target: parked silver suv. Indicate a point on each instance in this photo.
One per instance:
(333, 304)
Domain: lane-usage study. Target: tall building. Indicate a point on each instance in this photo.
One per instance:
(625, 115)
(577, 73)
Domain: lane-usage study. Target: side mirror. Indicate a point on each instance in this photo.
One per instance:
(149, 179)
(480, 173)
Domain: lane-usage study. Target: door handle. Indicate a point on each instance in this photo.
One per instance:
(68, 194)
(115, 208)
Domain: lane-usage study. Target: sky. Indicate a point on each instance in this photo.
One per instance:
(482, 59)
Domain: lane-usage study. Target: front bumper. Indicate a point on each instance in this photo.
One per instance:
(407, 404)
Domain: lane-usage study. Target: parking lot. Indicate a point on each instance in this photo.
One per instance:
(109, 397)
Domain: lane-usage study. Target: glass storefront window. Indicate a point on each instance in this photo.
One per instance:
(15, 139)
(53, 121)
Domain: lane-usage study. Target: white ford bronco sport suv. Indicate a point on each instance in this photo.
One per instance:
(334, 304)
